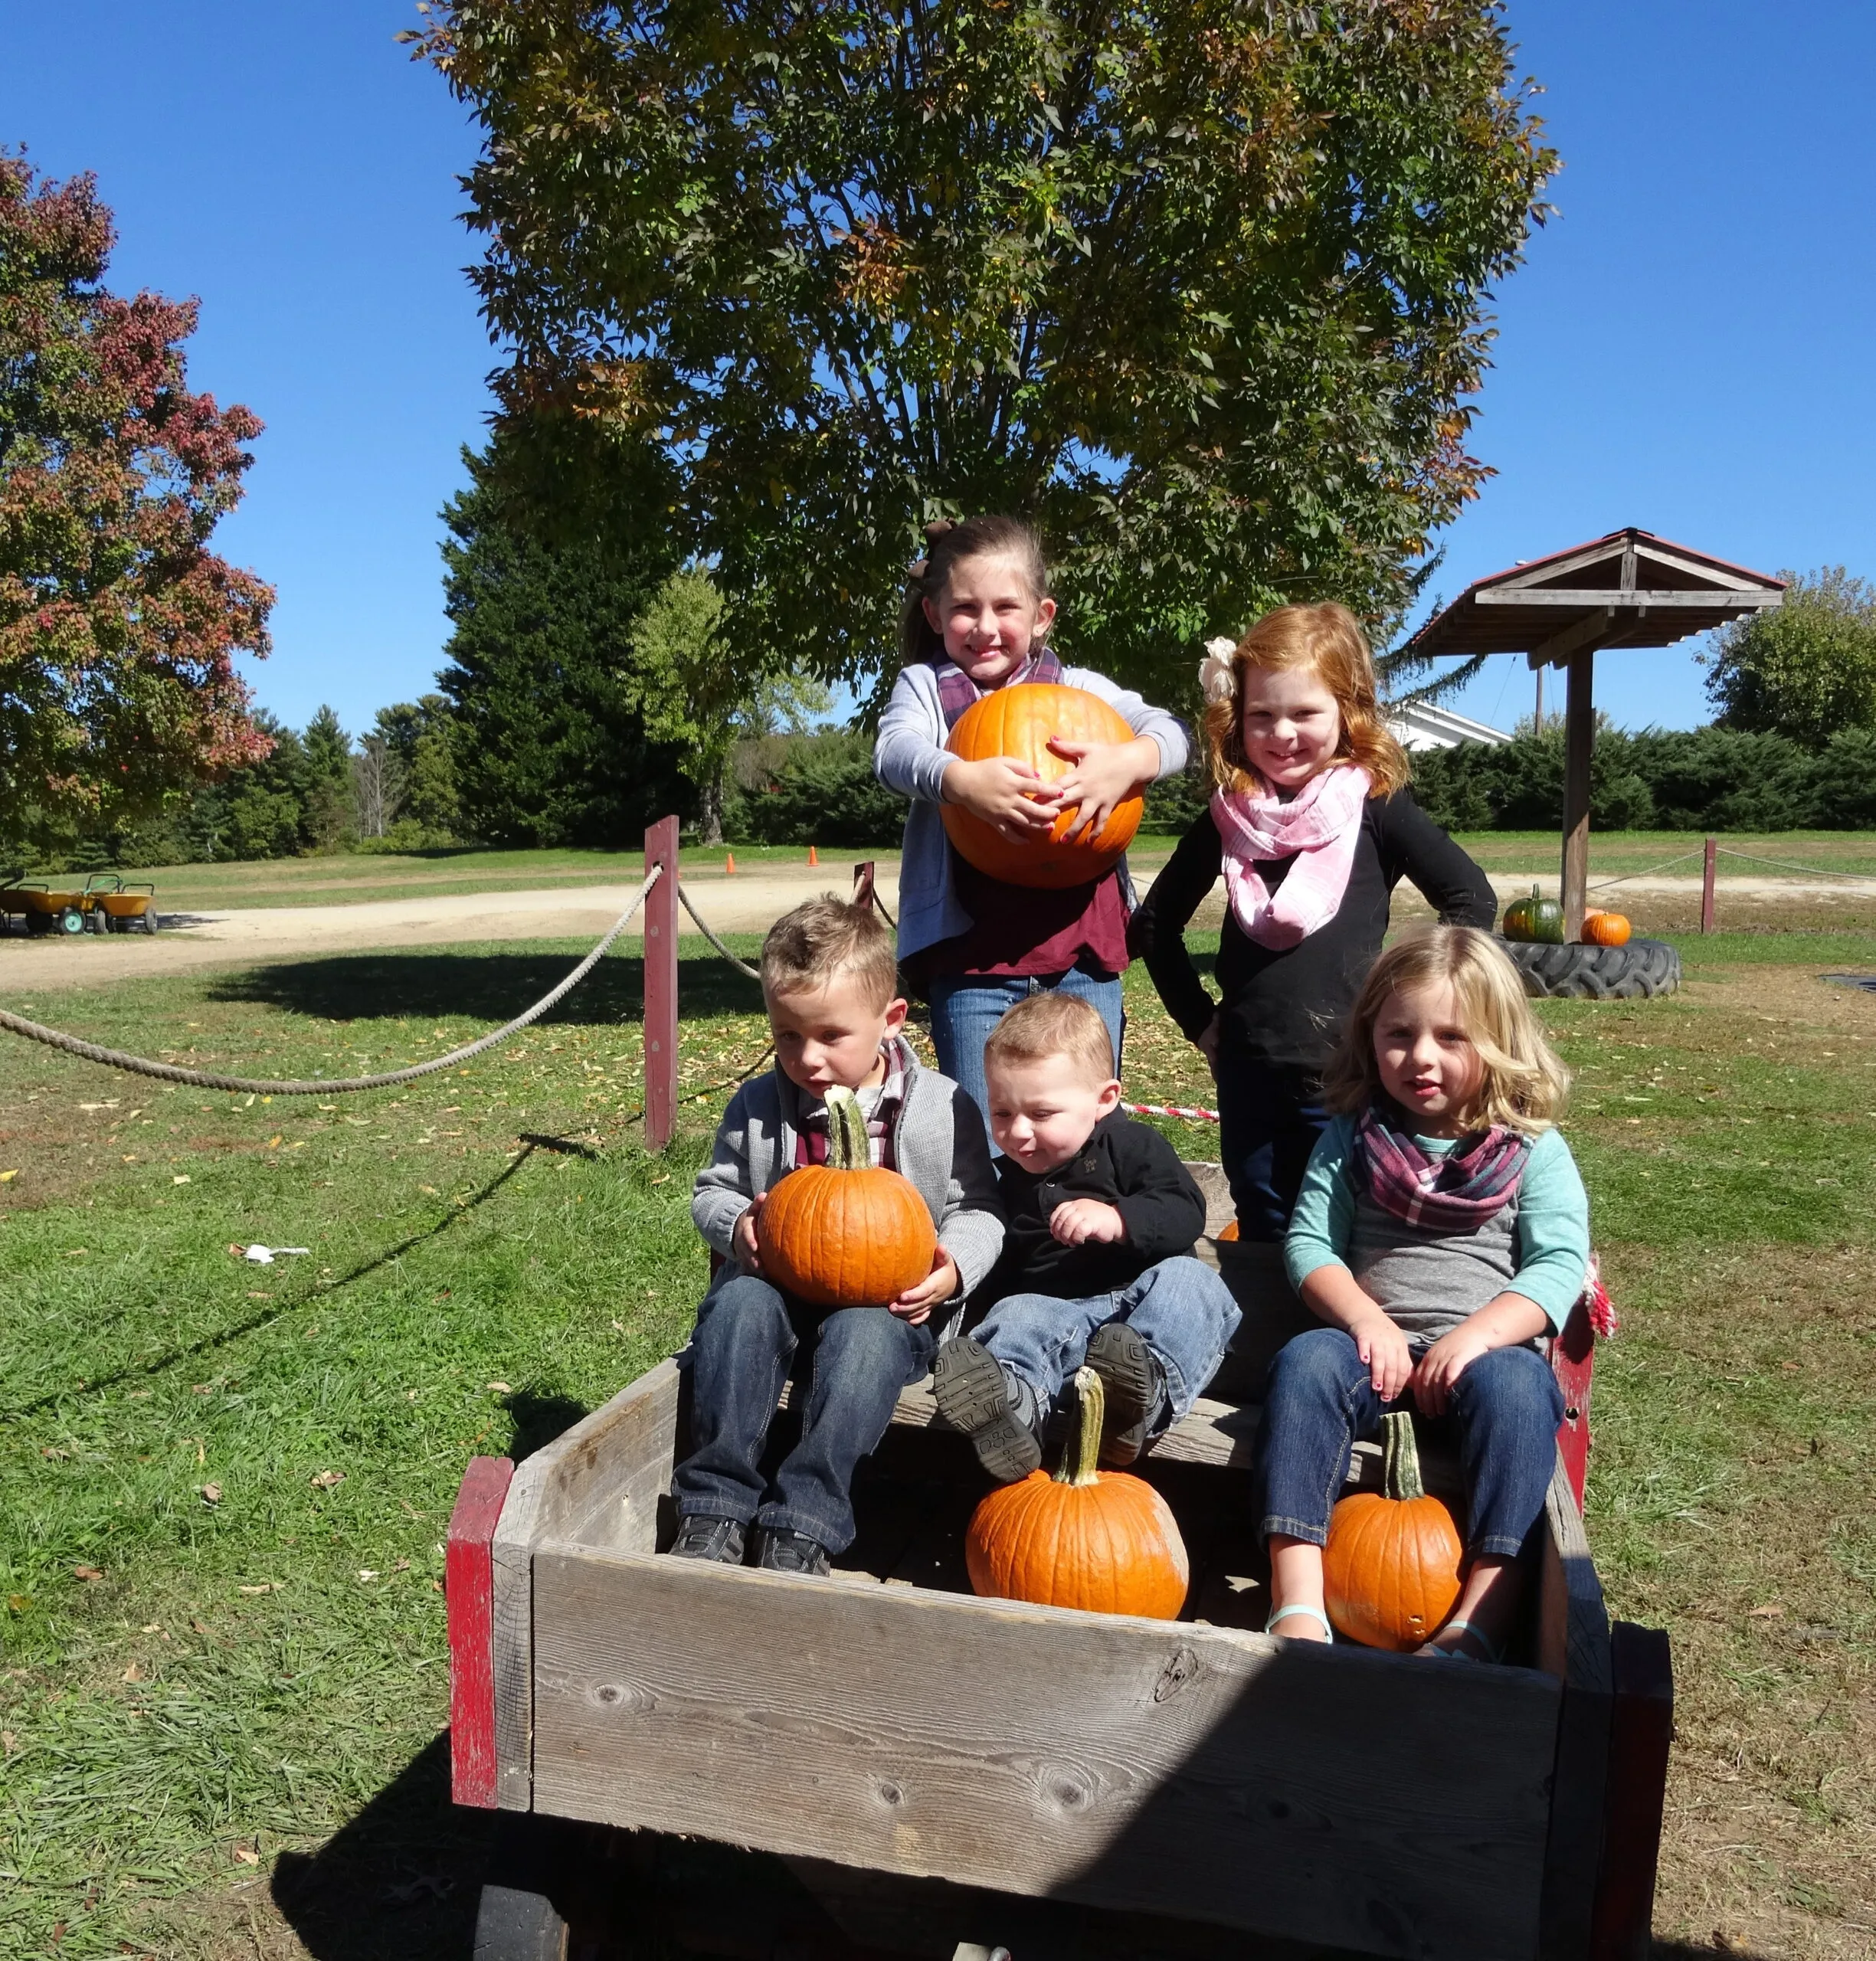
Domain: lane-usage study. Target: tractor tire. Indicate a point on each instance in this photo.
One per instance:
(71, 921)
(513, 1924)
(1637, 971)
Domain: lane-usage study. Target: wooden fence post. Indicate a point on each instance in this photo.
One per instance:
(661, 985)
(863, 875)
(1706, 887)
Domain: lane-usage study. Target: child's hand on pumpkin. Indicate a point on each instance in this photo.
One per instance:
(743, 1244)
(1442, 1365)
(916, 1303)
(1104, 775)
(1078, 1220)
(1384, 1346)
(1007, 795)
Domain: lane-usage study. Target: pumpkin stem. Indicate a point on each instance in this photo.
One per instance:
(1079, 1458)
(847, 1147)
(1400, 1462)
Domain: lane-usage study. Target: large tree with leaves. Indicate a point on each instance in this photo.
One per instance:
(1199, 284)
(118, 625)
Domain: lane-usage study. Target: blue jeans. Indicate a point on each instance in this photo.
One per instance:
(1506, 1408)
(746, 1336)
(1269, 1117)
(1181, 1308)
(965, 1007)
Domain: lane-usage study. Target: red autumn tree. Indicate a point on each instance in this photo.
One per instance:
(118, 626)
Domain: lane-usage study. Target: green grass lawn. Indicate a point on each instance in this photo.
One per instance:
(342, 879)
(224, 1486)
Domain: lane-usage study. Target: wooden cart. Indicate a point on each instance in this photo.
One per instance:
(884, 1730)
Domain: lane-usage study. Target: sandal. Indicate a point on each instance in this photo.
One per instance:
(1314, 1613)
(1431, 1648)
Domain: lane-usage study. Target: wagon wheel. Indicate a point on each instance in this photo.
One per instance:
(513, 1925)
(151, 922)
(71, 921)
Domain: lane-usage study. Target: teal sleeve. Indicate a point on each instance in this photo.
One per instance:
(1551, 1240)
(1323, 1220)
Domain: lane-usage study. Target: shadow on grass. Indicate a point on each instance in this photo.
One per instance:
(538, 1419)
(317, 1291)
(490, 987)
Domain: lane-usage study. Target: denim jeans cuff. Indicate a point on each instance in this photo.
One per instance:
(785, 1518)
(1295, 1528)
(1494, 1545)
(716, 1507)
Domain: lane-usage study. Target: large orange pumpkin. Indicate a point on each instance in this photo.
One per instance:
(845, 1234)
(1606, 929)
(1097, 1540)
(1020, 723)
(1390, 1572)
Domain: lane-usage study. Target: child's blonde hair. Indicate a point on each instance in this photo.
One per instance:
(947, 545)
(1043, 1025)
(1523, 1085)
(1328, 640)
(824, 937)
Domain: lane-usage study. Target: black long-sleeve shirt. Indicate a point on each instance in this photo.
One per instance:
(1285, 1005)
(1124, 1165)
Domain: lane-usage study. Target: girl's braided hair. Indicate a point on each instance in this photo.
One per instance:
(946, 543)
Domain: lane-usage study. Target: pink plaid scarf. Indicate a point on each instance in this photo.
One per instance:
(1318, 827)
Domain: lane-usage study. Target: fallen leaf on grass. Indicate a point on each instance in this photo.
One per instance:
(86, 1573)
(199, 1627)
(53, 1450)
(430, 1191)
(273, 1142)
(437, 1585)
(248, 1857)
(400, 1565)
(368, 1572)
(1773, 1610)
(501, 1389)
(132, 1674)
(324, 1481)
(8, 1741)
(182, 1178)
(265, 1587)
(7, 1178)
(19, 1604)
(211, 1494)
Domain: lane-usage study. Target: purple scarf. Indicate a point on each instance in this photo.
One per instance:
(957, 691)
(1454, 1192)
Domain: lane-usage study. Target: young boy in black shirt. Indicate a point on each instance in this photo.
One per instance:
(1096, 1266)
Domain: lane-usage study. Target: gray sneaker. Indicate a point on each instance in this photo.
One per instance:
(780, 1550)
(700, 1537)
(977, 1395)
(1135, 1383)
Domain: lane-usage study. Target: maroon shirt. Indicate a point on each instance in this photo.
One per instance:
(1019, 930)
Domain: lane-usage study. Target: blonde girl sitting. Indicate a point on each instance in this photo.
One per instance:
(1441, 1231)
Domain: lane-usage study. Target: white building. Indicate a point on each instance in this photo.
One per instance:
(1424, 725)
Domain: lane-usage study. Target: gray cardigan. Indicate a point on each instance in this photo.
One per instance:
(910, 757)
(938, 1144)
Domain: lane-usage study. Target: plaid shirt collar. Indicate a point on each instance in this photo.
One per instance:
(882, 1120)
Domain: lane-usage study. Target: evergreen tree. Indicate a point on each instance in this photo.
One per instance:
(328, 820)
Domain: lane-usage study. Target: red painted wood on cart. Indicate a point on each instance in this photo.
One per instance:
(469, 1579)
(1573, 1361)
(1641, 1728)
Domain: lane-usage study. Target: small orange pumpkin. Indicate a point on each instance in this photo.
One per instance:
(1390, 1571)
(1100, 1541)
(1606, 929)
(846, 1233)
(1020, 723)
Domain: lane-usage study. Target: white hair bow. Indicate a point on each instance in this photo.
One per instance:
(1215, 678)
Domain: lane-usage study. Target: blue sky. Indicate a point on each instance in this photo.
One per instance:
(1685, 350)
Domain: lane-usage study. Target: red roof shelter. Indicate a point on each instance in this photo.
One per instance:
(1629, 589)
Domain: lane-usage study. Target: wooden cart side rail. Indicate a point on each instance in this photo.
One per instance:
(1641, 1730)
(1573, 1646)
(1205, 1773)
(469, 1587)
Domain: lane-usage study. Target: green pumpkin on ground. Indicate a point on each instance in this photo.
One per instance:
(1536, 918)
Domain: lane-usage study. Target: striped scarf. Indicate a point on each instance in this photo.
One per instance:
(957, 691)
(1456, 1191)
(810, 1137)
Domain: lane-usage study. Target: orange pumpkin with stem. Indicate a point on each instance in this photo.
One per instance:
(1606, 929)
(1100, 1541)
(1020, 723)
(846, 1233)
(1390, 1571)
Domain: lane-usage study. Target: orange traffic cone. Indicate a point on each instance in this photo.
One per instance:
(730, 864)
(814, 857)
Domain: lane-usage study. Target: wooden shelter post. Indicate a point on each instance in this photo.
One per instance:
(1579, 746)
(661, 985)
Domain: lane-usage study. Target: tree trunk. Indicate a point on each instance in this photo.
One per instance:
(710, 818)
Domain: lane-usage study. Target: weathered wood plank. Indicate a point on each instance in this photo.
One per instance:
(1641, 1730)
(468, 1585)
(511, 1643)
(1361, 1799)
(1713, 599)
(1573, 1644)
(1579, 745)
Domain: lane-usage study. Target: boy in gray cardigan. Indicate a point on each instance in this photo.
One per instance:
(829, 981)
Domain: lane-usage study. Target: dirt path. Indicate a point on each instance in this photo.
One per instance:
(746, 903)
